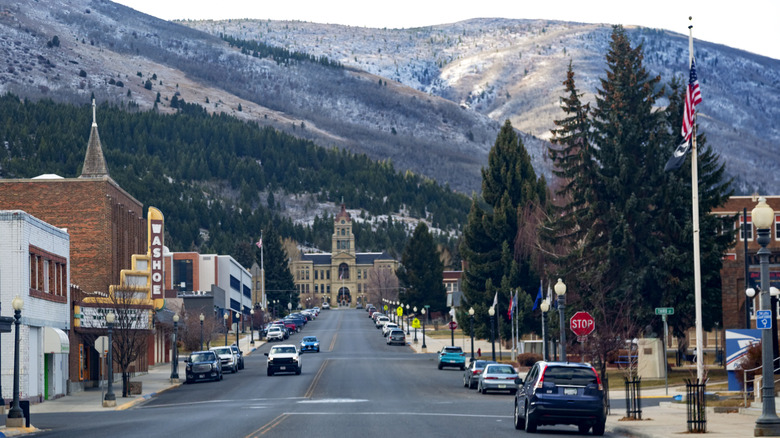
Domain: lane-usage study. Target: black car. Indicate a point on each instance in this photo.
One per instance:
(203, 365)
(560, 393)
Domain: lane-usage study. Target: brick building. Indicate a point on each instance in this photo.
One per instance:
(106, 227)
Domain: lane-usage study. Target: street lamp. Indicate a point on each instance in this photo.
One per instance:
(415, 327)
(175, 351)
(289, 308)
(423, 314)
(238, 318)
(252, 326)
(15, 415)
(560, 290)
(492, 313)
(201, 317)
(471, 314)
(545, 308)
(109, 400)
(224, 324)
(768, 424)
(407, 319)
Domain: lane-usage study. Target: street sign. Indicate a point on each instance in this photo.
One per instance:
(385, 307)
(399, 311)
(582, 324)
(416, 323)
(101, 345)
(764, 319)
(453, 325)
(664, 310)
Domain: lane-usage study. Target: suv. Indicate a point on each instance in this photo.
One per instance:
(202, 365)
(560, 393)
(452, 357)
(396, 335)
(227, 357)
(284, 358)
(274, 333)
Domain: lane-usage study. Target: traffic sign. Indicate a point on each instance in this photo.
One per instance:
(399, 311)
(664, 310)
(764, 319)
(582, 324)
(453, 325)
(101, 345)
(415, 323)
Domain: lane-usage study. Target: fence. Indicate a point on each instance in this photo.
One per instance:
(696, 402)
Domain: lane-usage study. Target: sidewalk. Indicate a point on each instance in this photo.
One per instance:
(667, 419)
(155, 381)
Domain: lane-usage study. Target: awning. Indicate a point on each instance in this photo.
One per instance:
(55, 341)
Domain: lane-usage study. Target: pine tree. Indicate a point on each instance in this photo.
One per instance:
(279, 282)
(422, 272)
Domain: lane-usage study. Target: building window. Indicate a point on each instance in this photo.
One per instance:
(742, 229)
(316, 274)
(48, 273)
(316, 288)
(777, 227)
(328, 286)
(327, 275)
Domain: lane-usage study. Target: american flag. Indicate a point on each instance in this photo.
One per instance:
(259, 243)
(692, 98)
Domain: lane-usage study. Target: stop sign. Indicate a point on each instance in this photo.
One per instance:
(453, 325)
(582, 324)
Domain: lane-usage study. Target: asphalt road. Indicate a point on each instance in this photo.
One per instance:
(356, 387)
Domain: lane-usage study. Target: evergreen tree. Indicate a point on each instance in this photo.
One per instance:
(422, 272)
(279, 282)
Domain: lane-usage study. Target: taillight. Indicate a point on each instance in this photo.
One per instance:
(475, 372)
(463, 354)
(491, 378)
(541, 379)
(598, 379)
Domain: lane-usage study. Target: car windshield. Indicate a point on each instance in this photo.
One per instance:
(309, 339)
(499, 369)
(201, 357)
(277, 350)
(480, 364)
(452, 350)
(223, 350)
(570, 376)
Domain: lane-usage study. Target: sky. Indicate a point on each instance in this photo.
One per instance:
(751, 26)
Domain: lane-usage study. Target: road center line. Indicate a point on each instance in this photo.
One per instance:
(268, 426)
(316, 379)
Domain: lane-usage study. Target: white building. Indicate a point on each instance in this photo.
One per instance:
(35, 265)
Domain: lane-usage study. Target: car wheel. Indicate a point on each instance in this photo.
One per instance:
(235, 369)
(519, 422)
(298, 371)
(462, 367)
(583, 428)
(598, 428)
(482, 389)
(471, 384)
(530, 424)
(440, 367)
(513, 391)
(270, 372)
(465, 382)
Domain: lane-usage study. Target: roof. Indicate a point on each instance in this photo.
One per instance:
(94, 162)
(343, 214)
(365, 258)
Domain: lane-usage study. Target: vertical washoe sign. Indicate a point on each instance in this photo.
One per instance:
(155, 223)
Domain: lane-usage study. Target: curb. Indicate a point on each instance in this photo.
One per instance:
(144, 398)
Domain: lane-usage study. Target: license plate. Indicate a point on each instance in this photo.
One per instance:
(200, 376)
(451, 361)
(569, 391)
(501, 386)
(282, 368)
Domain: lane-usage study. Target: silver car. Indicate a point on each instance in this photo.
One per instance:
(396, 336)
(497, 377)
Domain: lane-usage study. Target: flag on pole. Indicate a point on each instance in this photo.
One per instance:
(538, 297)
(495, 300)
(259, 243)
(511, 310)
(692, 98)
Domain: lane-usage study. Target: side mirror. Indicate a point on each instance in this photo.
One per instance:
(518, 381)
(265, 354)
(186, 360)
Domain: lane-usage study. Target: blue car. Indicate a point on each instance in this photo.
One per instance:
(452, 356)
(310, 343)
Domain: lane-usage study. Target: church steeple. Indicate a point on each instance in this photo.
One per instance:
(94, 162)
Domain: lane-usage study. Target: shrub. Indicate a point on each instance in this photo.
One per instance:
(528, 359)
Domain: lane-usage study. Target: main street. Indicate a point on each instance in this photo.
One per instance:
(357, 386)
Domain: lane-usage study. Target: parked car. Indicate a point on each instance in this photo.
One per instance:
(472, 372)
(227, 357)
(396, 335)
(560, 393)
(497, 377)
(310, 343)
(202, 365)
(325, 306)
(381, 321)
(274, 333)
(284, 358)
(386, 327)
(240, 354)
(452, 357)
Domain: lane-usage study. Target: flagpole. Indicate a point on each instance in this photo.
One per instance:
(696, 256)
(262, 274)
(512, 321)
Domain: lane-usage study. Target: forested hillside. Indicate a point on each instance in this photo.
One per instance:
(217, 178)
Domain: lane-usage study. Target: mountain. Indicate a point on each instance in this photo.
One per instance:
(430, 99)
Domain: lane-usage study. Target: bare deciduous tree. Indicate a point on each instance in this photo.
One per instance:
(131, 331)
(382, 284)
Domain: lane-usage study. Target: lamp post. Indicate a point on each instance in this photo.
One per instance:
(175, 351)
(415, 327)
(545, 308)
(423, 314)
(289, 308)
(407, 319)
(201, 318)
(560, 290)
(471, 314)
(225, 318)
(15, 415)
(768, 424)
(109, 400)
(238, 317)
(252, 326)
(492, 313)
